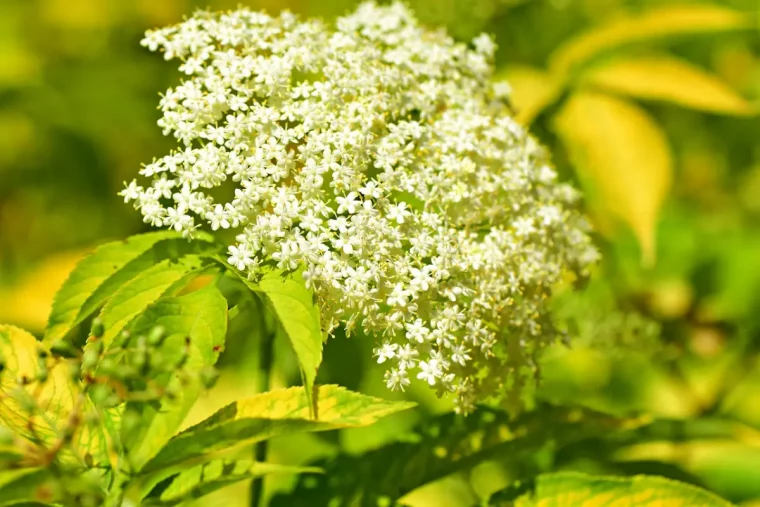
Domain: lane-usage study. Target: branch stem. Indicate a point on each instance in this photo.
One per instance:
(266, 357)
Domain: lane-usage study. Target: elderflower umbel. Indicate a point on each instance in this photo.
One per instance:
(377, 156)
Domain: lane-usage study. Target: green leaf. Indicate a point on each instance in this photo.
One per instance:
(271, 414)
(571, 489)
(653, 24)
(137, 294)
(667, 78)
(443, 446)
(299, 315)
(206, 478)
(99, 275)
(53, 401)
(622, 157)
(22, 484)
(201, 317)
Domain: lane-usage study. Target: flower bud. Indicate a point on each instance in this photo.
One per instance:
(97, 330)
(156, 336)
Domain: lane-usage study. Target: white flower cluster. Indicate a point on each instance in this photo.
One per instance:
(377, 157)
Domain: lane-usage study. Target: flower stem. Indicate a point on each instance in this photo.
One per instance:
(266, 356)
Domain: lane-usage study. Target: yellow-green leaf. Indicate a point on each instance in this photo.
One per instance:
(667, 78)
(206, 478)
(622, 157)
(271, 414)
(570, 489)
(101, 273)
(135, 296)
(55, 399)
(656, 23)
(532, 90)
(297, 312)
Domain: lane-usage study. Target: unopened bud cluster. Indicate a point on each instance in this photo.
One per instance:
(378, 157)
(129, 372)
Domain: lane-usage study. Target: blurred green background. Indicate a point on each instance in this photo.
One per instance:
(670, 324)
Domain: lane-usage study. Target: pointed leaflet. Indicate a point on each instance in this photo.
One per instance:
(201, 317)
(104, 271)
(652, 24)
(298, 314)
(206, 478)
(271, 414)
(664, 77)
(572, 489)
(622, 157)
(143, 290)
(56, 399)
(443, 446)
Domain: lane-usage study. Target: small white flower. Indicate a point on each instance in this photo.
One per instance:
(240, 256)
(396, 379)
(430, 371)
(385, 352)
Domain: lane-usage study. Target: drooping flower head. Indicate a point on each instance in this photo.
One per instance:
(378, 157)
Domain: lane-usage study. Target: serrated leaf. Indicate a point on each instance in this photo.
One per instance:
(533, 90)
(297, 312)
(22, 484)
(622, 157)
(206, 478)
(299, 315)
(443, 446)
(667, 78)
(136, 295)
(95, 278)
(201, 317)
(56, 399)
(274, 413)
(652, 24)
(572, 489)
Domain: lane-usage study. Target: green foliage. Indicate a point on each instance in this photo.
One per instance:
(113, 407)
(620, 153)
(447, 445)
(200, 480)
(581, 490)
(271, 414)
(618, 90)
(298, 313)
(194, 327)
(652, 24)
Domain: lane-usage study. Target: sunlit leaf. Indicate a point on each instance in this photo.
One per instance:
(104, 271)
(444, 446)
(667, 78)
(274, 413)
(140, 292)
(296, 310)
(571, 489)
(652, 24)
(200, 480)
(533, 90)
(201, 318)
(55, 399)
(622, 157)
(299, 315)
